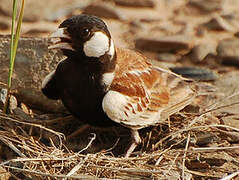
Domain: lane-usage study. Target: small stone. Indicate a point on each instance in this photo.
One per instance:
(232, 137)
(104, 10)
(207, 5)
(136, 3)
(12, 103)
(196, 73)
(228, 51)
(228, 86)
(220, 24)
(192, 108)
(12, 100)
(169, 57)
(200, 52)
(203, 139)
(3, 97)
(25, 108)
(22, 115)
(164, 44)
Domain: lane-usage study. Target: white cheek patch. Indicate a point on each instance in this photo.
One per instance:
(97, 45)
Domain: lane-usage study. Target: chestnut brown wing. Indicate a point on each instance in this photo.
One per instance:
(139, 92)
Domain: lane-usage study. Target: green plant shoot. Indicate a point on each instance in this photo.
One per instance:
(13, 46)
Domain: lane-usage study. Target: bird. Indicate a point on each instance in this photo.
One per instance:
(104, 85)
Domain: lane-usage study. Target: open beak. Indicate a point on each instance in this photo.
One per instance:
(61, 40)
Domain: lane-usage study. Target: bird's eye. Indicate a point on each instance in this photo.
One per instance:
(85, 32)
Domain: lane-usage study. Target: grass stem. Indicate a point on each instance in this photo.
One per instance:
(13, 46)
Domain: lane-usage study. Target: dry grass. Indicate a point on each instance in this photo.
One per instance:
(180, 153)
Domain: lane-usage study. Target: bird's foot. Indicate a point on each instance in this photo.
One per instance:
(136, 140)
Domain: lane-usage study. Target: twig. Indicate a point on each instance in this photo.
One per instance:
(231, 176)
(159, 160)
(60, 135)
(115, 144)
(184, 155)
(77, 167)
(201, 174)
(220, 107)
(173, 162)
(211, 110)
(9, 144)
(129, 170)
(223, 99)
(34, 159)
(192, 128)
(85, 148)
(196, 119)
(51, 158)
(214, 148)
(161, 153)
(49, 175)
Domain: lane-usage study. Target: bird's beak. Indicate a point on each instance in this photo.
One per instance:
(61, 40)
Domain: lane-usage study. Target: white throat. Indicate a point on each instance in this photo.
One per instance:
(97, 46)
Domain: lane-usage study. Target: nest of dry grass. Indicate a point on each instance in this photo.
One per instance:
(191, 146)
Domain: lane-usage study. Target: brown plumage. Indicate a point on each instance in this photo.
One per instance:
(145, 95)
(118, 85)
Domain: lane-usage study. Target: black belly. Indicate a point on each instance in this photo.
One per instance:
(87, 110)
(81, 92)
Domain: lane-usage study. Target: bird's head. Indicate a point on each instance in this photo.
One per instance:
(83, 35)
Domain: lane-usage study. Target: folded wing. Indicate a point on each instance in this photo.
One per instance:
(142, 95)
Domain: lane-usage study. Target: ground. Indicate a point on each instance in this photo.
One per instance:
(40, 139)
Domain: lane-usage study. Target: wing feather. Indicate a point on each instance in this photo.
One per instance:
(141, 95)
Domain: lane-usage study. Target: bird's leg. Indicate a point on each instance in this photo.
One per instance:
(135, 141)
